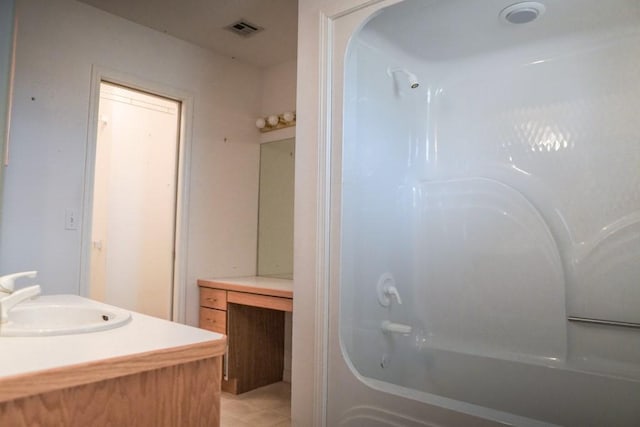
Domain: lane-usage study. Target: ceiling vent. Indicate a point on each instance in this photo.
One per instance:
(244, 28)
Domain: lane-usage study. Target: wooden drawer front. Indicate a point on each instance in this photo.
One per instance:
(213, 320)
(213, 298)
(264, 301)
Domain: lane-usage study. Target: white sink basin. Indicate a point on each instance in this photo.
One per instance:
(62, 315)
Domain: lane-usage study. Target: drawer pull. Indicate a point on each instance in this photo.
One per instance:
(213, 320)
(213, 298)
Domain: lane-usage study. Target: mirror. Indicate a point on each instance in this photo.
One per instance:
(275, 209)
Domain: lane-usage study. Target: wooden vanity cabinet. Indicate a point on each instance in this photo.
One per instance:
(253, 320)
(152, 373)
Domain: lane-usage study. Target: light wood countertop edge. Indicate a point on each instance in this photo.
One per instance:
(221, 284)
(17, 386)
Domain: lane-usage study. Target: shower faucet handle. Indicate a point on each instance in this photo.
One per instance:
(386, 289)
(393, 291)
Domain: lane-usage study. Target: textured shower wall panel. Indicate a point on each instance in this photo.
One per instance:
(488, 272)
(562, 131)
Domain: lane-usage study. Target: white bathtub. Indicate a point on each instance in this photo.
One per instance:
(502, 195)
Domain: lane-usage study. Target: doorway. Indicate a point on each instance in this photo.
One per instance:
(133, 222)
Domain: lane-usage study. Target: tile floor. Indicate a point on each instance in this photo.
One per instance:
(268, 406)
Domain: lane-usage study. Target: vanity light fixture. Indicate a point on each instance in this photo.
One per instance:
(276, 121)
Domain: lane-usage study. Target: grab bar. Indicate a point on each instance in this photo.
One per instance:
(603, 322)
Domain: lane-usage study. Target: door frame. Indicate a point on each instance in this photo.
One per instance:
(98, 75)
(314, 265)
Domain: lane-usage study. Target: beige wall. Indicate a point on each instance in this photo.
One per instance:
(279, 88)
(58, 43)
(279, 95)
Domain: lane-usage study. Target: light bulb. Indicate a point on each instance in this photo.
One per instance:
(260, 123)
(273, 120)
(288, 116)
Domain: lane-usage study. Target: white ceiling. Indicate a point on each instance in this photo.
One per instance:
(202, 22)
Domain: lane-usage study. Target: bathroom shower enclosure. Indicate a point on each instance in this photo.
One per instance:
(484, 230)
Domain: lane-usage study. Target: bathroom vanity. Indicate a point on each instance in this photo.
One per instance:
(250, 310)
(148, 372)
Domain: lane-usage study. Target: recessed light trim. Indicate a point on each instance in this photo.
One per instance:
(522, 13)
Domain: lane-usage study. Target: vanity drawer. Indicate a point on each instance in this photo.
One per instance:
(213, 320)
(213, 298)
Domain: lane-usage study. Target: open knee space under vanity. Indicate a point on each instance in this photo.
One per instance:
(251, 312)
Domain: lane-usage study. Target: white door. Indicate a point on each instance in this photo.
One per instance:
(134, 201)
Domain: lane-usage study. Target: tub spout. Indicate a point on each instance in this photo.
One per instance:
(397, 328)
(10, 301)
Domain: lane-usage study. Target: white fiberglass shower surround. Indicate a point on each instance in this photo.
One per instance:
(485, 226)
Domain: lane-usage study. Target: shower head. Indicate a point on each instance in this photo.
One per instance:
(412, 79)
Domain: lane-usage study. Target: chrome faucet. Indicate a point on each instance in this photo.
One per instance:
(12, 297)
